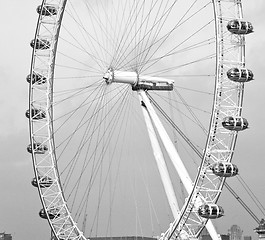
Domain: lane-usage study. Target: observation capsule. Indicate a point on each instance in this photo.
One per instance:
(224, 169)
(240, 74)
(235, 123)
(210, 211)
(39, 148)
(239, 27)
(52, 213)
(47, 10)
(41, 44)
(36, 78)
(43, 181)
(36, 114)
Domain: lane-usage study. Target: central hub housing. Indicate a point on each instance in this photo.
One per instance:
(138, 81)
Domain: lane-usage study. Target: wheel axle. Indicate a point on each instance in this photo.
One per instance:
(138, 81)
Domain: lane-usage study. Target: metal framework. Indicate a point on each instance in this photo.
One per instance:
(230, 53)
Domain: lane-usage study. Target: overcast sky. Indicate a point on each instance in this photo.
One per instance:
(19, 202)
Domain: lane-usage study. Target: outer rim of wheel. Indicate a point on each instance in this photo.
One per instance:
(62, 226)
(220, 143)
(206, 184)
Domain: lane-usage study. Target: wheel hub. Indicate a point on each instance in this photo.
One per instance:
(138, 81)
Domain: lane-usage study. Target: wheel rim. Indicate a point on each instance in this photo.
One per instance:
(222, 52)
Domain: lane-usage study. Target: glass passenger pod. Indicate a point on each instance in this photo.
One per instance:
(52, 213)
(224, 169)
(239, 27)
(43, 181)
(47, 10)
(235, 123)
(41, 44)
(240, 74)
(152, 86)
(38, 148)
(210, 211)
(261, 228)
(36, 78)
(37, 114)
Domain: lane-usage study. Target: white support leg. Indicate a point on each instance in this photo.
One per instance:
(170, 148)
(160, 161)
(174, 156)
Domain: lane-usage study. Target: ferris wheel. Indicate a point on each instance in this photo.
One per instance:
(134, 112)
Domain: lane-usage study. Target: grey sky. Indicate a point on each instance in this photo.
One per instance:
(19, 202)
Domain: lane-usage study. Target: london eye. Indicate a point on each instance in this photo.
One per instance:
(134, 112)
